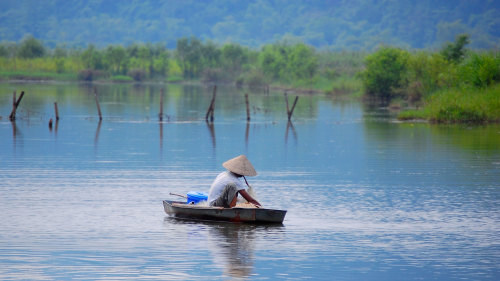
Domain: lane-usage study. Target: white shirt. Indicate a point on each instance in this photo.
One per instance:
(220, 183)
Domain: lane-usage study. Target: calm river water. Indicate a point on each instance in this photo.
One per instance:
(368, 198)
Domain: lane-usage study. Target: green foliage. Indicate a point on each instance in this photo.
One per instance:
(386, 72)
(465, 105)
(3, 51)
(481, 69)
(121, 78)
(233, 57)
(455, 52)
(455, 113)
(288, 63)
(343, 25)
(92, 58)
(272, 60)
(428, 72)
(59, 65)
(115, 57)
(189, 55)
(31, 48)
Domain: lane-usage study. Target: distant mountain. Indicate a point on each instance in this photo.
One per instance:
(336, 24)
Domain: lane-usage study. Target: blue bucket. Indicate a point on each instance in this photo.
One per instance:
(196, 197)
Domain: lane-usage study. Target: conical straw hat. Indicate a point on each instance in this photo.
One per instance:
(240, 165)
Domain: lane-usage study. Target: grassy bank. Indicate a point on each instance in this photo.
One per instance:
(36, 75)
(467, 105)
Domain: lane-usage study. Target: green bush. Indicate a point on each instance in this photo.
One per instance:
(455, 52)
(386, 72)
(121, 78)
(31, 48)
(481, 70)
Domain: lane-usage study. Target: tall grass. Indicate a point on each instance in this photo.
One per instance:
(460, 105)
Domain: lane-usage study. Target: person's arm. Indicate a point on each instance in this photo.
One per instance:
(249, 198)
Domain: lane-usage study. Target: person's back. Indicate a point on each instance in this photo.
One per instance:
(226, 186)
(221, 181)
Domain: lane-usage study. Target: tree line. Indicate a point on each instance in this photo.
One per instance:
(191, 59)
(344, 25)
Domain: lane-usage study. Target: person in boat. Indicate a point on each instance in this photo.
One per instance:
(227, 185)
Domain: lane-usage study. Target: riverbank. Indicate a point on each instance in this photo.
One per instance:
(467, 105)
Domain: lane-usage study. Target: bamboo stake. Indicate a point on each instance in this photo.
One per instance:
(210, 110)
(57, 111)
(161, 105)
(248, 107)
(12, 115)
(286, 101)
(97, 103)
(293, 107)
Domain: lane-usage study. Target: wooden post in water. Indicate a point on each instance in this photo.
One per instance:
(161, 105)
(57, 111)
(293, 107)
(211, 109)
(15, 104)
(288, 110)
(286, 101)
(248, 107)
(97, 103)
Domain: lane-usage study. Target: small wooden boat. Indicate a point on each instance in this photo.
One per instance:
(183, 210)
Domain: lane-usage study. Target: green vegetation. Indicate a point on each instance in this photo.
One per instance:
(451, 85)
(454, 85)
(384, 73)
(460, 105)
(281, 64)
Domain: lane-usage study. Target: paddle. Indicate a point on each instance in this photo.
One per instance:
(180, 195)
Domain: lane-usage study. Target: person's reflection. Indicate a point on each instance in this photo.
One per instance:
(233, 248)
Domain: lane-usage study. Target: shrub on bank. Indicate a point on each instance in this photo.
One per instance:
(385, 73)
(121, 78)
(481, 69)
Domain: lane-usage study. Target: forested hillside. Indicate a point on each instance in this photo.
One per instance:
(336, 24)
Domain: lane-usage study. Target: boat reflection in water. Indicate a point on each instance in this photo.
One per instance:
(232, 247)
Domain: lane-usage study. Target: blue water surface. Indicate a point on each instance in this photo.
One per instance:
(368, 198)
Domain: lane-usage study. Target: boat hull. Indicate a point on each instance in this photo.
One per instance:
(182, 210)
